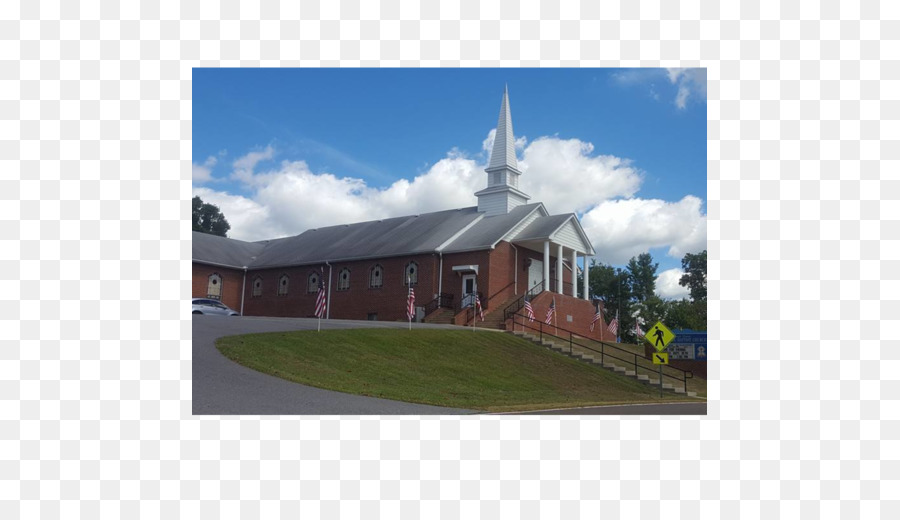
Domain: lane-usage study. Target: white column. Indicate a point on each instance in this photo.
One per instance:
(547, 265)
(574, 260)
(559, 269)
(587, 269)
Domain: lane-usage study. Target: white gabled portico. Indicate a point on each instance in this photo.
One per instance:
(563, 236)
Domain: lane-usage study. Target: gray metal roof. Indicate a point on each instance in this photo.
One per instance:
(489, 230)
(218, 250)
(379, 238)
(543, 227)
(415, 234)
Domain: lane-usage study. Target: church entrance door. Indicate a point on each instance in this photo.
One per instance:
(469, 289)
(535, 273)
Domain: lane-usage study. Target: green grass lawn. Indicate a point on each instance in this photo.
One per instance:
(484, 370)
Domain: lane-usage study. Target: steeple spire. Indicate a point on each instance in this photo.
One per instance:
(504, 150)
(502, 192)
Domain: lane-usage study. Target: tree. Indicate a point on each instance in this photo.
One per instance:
(610, 284)
(684, 314)
(694, 277)
(642, 276)
(206, 218)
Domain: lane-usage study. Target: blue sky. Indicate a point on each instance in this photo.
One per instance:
(384, 136)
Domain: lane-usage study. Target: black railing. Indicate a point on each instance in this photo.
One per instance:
(606, 350)
(510, 284)
(567, 286)
(515, 306)
(469, 301)
(443, 300)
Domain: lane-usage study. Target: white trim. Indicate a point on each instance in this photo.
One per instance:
(508, 237)
(578, 229)
(465, 268)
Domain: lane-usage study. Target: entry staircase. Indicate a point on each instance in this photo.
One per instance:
(607, 356)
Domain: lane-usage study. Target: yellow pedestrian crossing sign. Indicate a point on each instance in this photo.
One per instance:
(661, 358)
(659, 336)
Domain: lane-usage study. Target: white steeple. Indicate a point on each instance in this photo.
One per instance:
(502, 193)
(504, 151)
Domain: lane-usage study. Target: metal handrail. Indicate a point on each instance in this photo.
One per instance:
(685, 374)
(567, 286)
(510, 284)
(464, 303)
(520, 302)
(443, 300)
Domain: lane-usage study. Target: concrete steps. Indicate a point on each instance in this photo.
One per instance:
(442, 315)
(594, 358)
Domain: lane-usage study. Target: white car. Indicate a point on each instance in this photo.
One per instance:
(208, 306)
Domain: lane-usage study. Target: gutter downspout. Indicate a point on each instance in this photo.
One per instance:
(440, 274)
(328, 303)
(243, 290)
(516, 268)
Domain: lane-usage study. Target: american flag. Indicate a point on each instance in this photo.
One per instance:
(320, 299)
(637, 329)
(614, 325)
(595, 320)
(411, 303)
(478, 308)
(550, 312)
(529, 310)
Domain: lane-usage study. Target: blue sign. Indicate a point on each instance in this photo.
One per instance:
(688, 344)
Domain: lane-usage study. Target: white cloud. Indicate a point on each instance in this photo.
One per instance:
(690, 82)
(620, 229)
(243, 166)
(566, 177)
(667, 285)
(203, 173)
(289, 198)
(246, 217)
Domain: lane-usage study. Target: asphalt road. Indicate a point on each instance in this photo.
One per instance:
(223, 387)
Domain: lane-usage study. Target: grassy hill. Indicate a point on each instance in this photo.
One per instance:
(485, 370)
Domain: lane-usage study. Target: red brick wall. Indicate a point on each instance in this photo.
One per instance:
(388, 301)
(495, 280)
(231, 283)
(582, 312)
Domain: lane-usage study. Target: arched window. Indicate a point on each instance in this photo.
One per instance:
(343, 283)
(376, 276)
(257, 287)
(312, 282)
(411, 274)
(283, 283)
(214, 286)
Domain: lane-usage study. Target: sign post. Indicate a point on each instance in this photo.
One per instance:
(660, 336)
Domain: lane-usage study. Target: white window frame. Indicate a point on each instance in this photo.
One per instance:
(210, 282)
(282, 289)
(372, 284)
(341, 286)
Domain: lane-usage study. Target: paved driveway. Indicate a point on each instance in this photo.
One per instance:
(221, 386)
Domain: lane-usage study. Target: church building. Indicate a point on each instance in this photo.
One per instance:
(499, 250)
